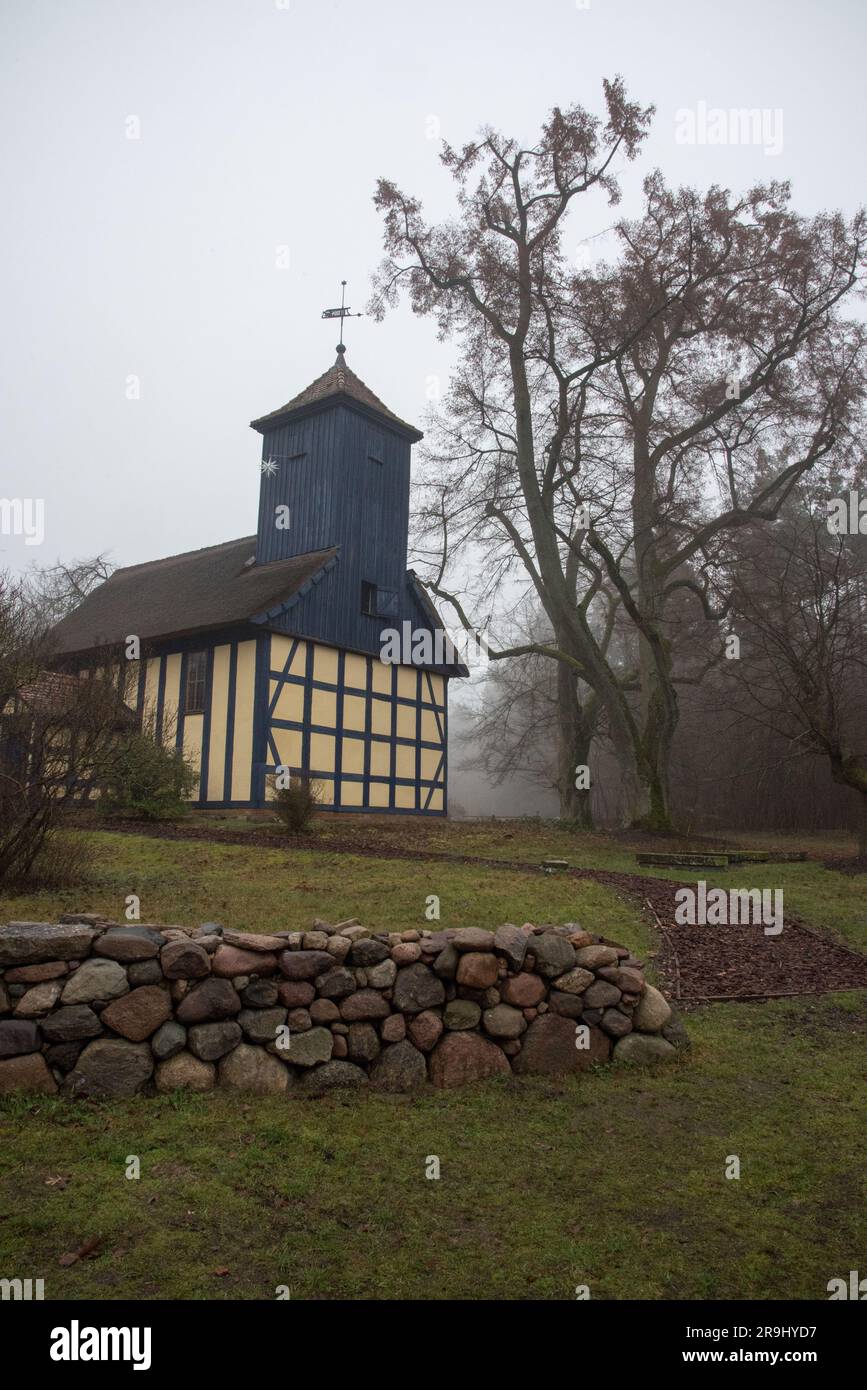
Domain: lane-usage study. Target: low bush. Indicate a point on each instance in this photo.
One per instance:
(62, 861)
(148, 780)
(297, 804)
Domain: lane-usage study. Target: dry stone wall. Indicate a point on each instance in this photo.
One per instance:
(93, 1009)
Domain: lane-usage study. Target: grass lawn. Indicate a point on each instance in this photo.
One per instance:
(615, 1180)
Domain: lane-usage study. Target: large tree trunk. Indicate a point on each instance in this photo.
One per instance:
(575, 739)
(659, 715)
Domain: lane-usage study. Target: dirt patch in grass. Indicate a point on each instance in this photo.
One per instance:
(846, 864)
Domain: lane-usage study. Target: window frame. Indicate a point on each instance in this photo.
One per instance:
(369, 599)
(198, 684)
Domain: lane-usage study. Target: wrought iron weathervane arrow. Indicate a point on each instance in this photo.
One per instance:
(342, 313)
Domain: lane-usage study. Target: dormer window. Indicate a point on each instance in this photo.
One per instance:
(368, 599)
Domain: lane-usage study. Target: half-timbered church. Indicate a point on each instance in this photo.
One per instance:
(265, 652)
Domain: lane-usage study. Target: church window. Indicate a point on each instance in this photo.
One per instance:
(194, 702)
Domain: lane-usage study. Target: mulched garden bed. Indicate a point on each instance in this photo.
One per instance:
(697, 964)
(846, 864)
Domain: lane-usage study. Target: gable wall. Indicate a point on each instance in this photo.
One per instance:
(372, 735)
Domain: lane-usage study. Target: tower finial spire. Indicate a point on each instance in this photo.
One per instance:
(342, 313)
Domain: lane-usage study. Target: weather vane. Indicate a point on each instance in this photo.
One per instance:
(341, 313)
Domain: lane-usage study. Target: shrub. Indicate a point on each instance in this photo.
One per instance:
(297, 804)
(148, 780)
(62, 861)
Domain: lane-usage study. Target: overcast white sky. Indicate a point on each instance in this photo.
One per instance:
(265, 125)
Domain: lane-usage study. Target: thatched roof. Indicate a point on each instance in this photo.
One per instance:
(197, 591)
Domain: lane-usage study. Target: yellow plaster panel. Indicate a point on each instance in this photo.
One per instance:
(321, 753)
(355, 671)
(405, 765)
(152, 680)
(219, 708)
(406, 721)
(429, 728)
(280, 649)
(404, 797)
(242, 753)
(171, 697)
(436, 801)
(129, 691)
(325, 790)
(290, 702)
(430, 761)
(437, 685)
(351, 794)
(407, 682)
(353, 712)
(193, 744)
(380, 759)
(382, 677)
(288, 745)
(323, 709)
(380, 716)
(352, 755)
(379, 794)
(325, 665)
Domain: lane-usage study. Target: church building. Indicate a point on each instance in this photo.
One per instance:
(266, 652)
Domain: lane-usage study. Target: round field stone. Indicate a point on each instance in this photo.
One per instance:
(209, 1002)
(128, 944)
(511, 942)
(460, 1014)
(306, 1049)
(20, 1036)
(477, 969)
(253, 1071)
(210, 1041)
(472, 939)
(138, 1014)
(184, 960)
(112, 1068)
(503, 1021)
(652, 1011)
(231, 961)
(95, 979)
(362, 1042)
(26, 1073)
(333, 1076)
(362, 1005)
(644, 1049)
(554, 956)
(615, 1023)
(168, 1041)
(260, 1025)
(523, 991)
(601, 995)
(305, 965)
(400, 1067)
(184, 1072)
(144, 972)
(462, 1057)
(548, 1047)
